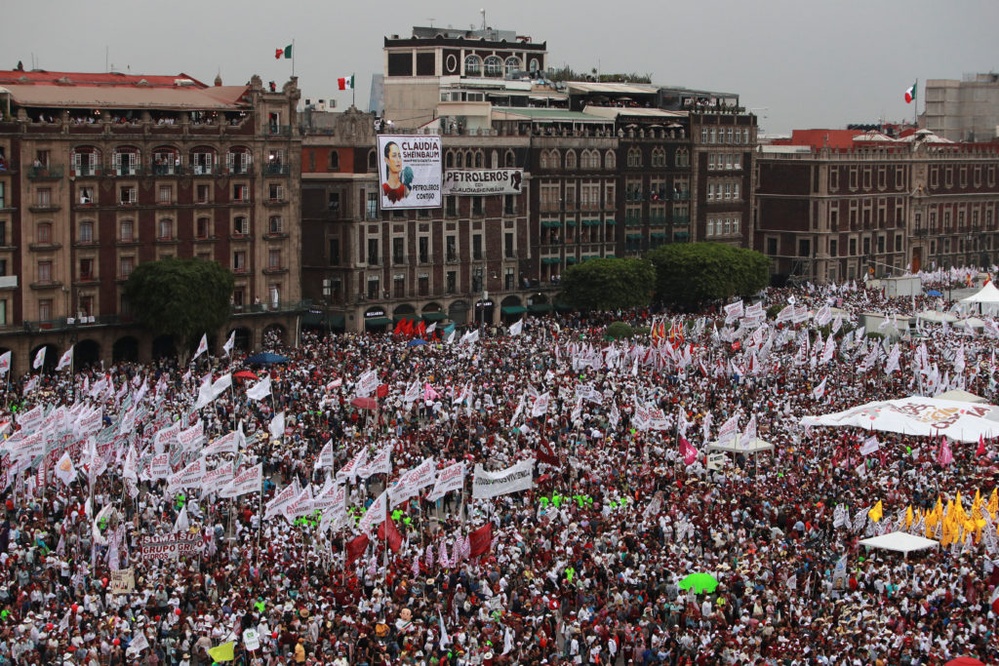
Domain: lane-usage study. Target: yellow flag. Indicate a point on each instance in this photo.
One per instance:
(994, 503)
(876, 512)
(908, 517)
(224, 652)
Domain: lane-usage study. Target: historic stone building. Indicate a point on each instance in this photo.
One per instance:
(104, 171)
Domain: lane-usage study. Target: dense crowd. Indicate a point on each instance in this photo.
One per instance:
(588, 566)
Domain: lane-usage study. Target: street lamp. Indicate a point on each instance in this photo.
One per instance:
(482, 309)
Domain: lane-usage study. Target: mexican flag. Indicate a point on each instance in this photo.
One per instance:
(345, 82)
(910, 94)
(285, 52)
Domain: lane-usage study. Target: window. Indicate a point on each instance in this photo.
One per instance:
(241, 226)
(126, 231)
(634, 157)
(126, 162)
(451, 206)
(165, 195)
(473, 65)
(203, 194)
(451, 282)
(165, 229)
(275, 192)
(44, 233)
(477, 247)
(334, 251)
(86, 232)
(373, 251)
(509, 204)
(45, 309)
(43, 197)
(275, 225)
(372, 206)
(203, 227)
(334, 162)
(274, 259)
(494, 66)
(398, 251)
(125, 267)
(86, 195)
(127, 195)
(3, 234)
(239, 263)
(451, 248)
(202, 163)
(240, 193)
(423, 249)
(570, 160)
(45, 271)
(85, 162)
(239, 162)
(86, 269)
(477, 206)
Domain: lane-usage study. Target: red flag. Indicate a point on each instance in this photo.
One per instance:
(382, 391)
(355, 548)
(980, 451)
(388, 532)
(546, 455)
(421, 329)
(481, 540)
(687, 450)
(400, 327)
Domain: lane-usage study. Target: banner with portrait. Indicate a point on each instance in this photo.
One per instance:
(409, 171)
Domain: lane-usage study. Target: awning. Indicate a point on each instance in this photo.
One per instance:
(634, 237)
(540, 307)
(513, 309)
(377, 321)
(611, 221)
(570, 223)
(434, 316)
(312, 319)
(571, 259)
(337, 321)
(681, 235)
(591, 223)
(550, 224)
(551, 260)
(409, 315)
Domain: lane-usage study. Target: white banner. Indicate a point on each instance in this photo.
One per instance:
(380, 464)
(191, 476)
(510, 480)
(413, 480)
(450, 478)
(479, 182)
(409, 171)
(245, 482)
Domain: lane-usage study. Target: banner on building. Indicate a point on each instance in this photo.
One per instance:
(482, 182)
(409, 171)
(510, 480)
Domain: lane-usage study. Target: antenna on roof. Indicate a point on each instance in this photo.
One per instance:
(483, 12)
(431, 22)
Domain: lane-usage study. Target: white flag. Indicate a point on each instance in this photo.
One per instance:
(4, 363)
(819, 391)
(375, 515)
(750, 434)
(276, 426)
(517, 328)
(202, 346)
(220, 385)
(260, 390)
(39, 359)
(540, 407)
(66, 360)
(229, 344)
(65, 470)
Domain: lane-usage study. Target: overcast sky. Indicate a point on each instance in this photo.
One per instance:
(800, 64)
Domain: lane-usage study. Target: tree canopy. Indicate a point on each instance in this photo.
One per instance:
(689, 275)
(184, 298)
(608, 284)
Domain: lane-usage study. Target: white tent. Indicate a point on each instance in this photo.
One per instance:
(901, 542)
(986, 298)
(919, 416)
(961, 396)
(936, 317)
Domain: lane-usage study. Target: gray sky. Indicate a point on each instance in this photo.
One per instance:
(811, 65)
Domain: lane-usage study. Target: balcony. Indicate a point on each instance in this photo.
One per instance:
(44, 246)
(44, 207)
(275, 270)
(277, 170)
(45, 173)
(42, 285)
(681, 219)
(281, 306)
(203, 169)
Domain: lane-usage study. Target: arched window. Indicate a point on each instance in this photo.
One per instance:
(658, 157)
(494, 160)
(494, 66)
(512, 65)
(634, 157)
(372, 161)
(86, 161)
(449, 159)
(610, 160)
(126, 160)
(682, 157)
(535, 67)
(511, 159)
(570, 160)
(469, 159)
(334, 161)
(459, 160)
(473, 65)
(479, 159)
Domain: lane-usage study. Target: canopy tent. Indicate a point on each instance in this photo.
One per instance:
(901, 542)
(961, 396)
(935, 317)
(920, 416)
(970, 324)
(986, 298)
(755, 445)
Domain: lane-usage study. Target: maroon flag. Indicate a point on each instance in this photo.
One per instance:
(687, 450)
(389, 533)
(546, 455)
(480, 540)
(356, 547)
(980, 451)
(382, 391)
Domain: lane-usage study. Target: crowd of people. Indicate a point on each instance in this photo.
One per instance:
(589, 565)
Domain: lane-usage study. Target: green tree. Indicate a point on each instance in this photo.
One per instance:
(184, 298)
(608, 284)
(688, 275)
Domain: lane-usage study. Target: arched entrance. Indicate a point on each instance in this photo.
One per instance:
(484, 308)
(244, 336)
(375, 320)
(511, 309)
(164, 347)
(274, 335)
(433, 313)
(86, 353)
(458, 312)
(50, 359)
(125, 350)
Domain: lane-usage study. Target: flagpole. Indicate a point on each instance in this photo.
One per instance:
(915, 107)
(293, 57)
(353, 90)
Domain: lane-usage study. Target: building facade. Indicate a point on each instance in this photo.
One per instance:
(965, 110)
(105, 171)
(828, 215)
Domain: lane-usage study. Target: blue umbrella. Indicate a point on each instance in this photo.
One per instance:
(416, 342)
(266, 358)
(933, 292)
